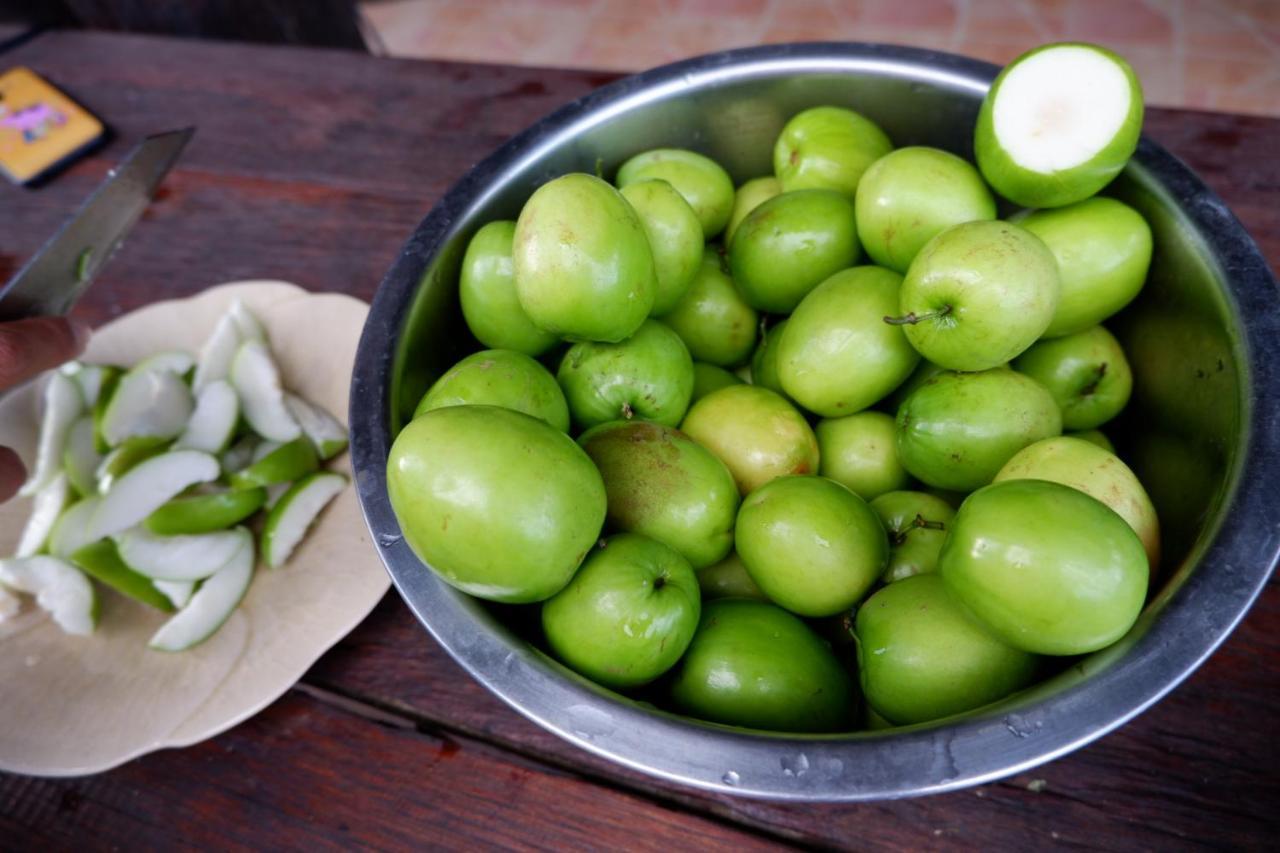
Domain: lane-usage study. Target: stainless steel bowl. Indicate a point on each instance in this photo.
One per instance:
(1202, 430)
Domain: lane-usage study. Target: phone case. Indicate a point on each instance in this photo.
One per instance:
(40, 127)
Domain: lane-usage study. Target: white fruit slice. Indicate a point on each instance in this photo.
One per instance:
(212, 604)
(240, 455)
(257, 381)
(1058, 124)
(59, 587)
(147, 404)
(178, 592)
(218, 352)
(90, 377)
(246, 323)
(148, 486)
(80, 457)
(62, 406)
(263, 449)
(176, 558)
(325, 431)
(275, 492)
(294, 513)
(71, 532)
(118, 462)
(214, 419)
(45, 509)
(172, 361)
(10, 604)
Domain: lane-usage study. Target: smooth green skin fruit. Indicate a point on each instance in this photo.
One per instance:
(675, 237)
(699, 179)
(789, 245)
(981, 293)
(205, 513)
(925, 370)
(838, 356)
(810, 544)
(712, 319)
(922, 657)
(499, 504)
(860, 452)
(748, 197)
(1086, 373)
(1103, 248)
(958, 429)
(628, 614)
(648, 376)
(728, 579)
(917, 524)
(827, 148)
(755, 433)
(911, 195)
(664, 485)
(755, 665)
(101, 561)
(708, 378)
(1094, 436)
(1055, 189)
(503, 378)
(583, 266)
(764, 361)
(1047, 568)
(487, 291)
(288, 462)
(1098, 473)
(106, 390)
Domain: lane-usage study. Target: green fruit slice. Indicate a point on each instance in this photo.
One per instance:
(325, 431)
(80, 457)
(176, 558)
(1058, 124)
(123, 459)
(218, 352)
(71, 531)
(102, 561)
(240, 455)
(178, 592)
(247, 323)
(60, 589)
(257, 380)
(289, 519)
(47, 506)
(148, 486)
(62, 406)
(212, 604)
(92, 379)
(107, 390)
(281, 464)
(176, 362)
(148, 403)
(214, 420)
(205, 513)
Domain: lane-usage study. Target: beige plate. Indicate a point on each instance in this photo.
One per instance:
(73, 705)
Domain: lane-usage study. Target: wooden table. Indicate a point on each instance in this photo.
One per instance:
(314, 166)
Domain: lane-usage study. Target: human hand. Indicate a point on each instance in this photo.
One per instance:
(27, 349)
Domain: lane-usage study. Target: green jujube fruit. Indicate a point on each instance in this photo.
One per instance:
(728, 579)
(1094, 436)
(860, 452)
(957, 430)
(487, 291)
(205, 513)
(503, 378)
(1087, 374)
(827, 148)
(499, 504)
(922, 657)
(764, 361)
(666, 486)
(582, 262)
(917, 524)
(838, 356)
(648, 376)
(708, 378)
(712, 319)
(911, 195)
(790, 244)
(748, 197)
(1045, 567)
(1103, 249)
(699, 179)
(675, 238)
(755, 665)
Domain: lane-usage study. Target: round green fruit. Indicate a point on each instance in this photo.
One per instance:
(1094, 436)
(1086, 373)
(827, 148)
(748, 197)
(708, 378)
(699, 179)
(712, 319)
(649, 376)
(860, 452)
(487, 291)
(917, 524)
(503, 378)
(675, 238)
(728, 579)
(764, 361)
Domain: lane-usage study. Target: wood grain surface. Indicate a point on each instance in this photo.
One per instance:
(314, 166)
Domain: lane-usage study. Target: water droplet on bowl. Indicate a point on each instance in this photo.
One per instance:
(386, 540)
(795, 766)
(731, 777)
(588, 722)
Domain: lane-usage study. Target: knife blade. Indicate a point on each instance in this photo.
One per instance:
(52, 281)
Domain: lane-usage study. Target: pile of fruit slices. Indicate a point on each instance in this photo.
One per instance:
(146, 478)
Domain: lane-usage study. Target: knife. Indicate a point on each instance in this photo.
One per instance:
(52, 281)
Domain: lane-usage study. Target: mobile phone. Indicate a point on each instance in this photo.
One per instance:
(41, 128)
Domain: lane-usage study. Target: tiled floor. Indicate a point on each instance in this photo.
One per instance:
(1207, 54)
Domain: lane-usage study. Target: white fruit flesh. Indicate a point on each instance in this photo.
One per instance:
(59, 587)
(212, 603)
(80, 458)
(89, 377)
(172, 361)
(71, 532)
(325, 431)
(45, 509)
(217, 353)
(275, 492)
(63, 404)
(263, 449)
(147, 404)
(148, 486)
(257, 381)
(213, 420)
(1059, 107)
(178, 592)
(10, 604)
(246, 324)
(294, 513)
(176, 558)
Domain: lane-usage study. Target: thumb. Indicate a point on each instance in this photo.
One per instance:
(30, 347)
(12, 473)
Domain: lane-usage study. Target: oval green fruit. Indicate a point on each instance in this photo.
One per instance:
(860, 452)
(503, 378)
(582, 263)
(958, 429)
(917, 524)
(728, 579)
(699, 179)
(708, 378)
(1086, 373)
(675, 238)
(712, 319)
(827, 148)
(755, 665)
(1094, 436)
(1047, 568)
(500, 504)
(922, 657)
(764, 361)
(487, 291)
(649, 376)
(748, 197)
(810, 544)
